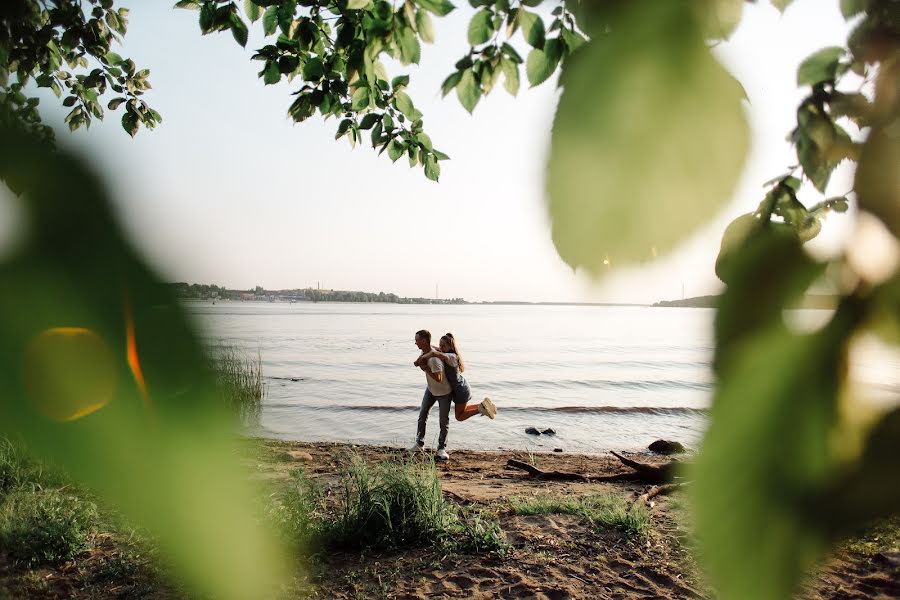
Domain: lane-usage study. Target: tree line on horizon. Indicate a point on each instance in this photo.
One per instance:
(198, 291)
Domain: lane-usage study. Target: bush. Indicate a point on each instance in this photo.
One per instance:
(240, 380)
(45, 526)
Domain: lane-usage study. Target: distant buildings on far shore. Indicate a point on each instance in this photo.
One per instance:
(196, 291)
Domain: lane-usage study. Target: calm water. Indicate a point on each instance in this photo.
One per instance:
(601, 377)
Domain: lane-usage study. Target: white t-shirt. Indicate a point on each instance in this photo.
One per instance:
(435, 365)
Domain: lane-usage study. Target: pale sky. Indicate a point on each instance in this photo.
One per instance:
(229, 191)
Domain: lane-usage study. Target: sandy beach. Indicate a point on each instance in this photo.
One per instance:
(544, 556)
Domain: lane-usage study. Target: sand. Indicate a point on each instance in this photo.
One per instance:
(552, 556)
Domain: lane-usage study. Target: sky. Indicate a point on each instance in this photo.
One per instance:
(229, 191)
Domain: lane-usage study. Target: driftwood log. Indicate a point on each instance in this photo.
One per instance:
(658, 490)
(641, 472)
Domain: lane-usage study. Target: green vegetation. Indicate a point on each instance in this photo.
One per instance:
(18, 470)
(394, 504)
(605, 510)
(240, 381)
(46, 526)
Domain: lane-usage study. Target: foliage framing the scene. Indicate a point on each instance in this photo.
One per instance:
(777, 479)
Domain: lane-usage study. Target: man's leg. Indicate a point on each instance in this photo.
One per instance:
(444, 414)
(427, 402)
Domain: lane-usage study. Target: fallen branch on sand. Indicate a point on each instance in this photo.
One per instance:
(642, 472)
(659, 490)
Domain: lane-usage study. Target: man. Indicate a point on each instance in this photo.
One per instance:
(438, 389)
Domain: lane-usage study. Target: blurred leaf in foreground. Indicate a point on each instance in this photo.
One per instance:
(648, 141)
(101, 374)
(766, 447)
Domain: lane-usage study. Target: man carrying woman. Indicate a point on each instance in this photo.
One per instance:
(443, 367)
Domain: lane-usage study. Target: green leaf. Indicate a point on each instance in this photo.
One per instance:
(432, 168)
(238, 29)
(468, 91)
(425, 26)
(395, 150)
(188, 4)
(271, 74)
(438, 7)
(511, 53)
(819, 67)
(270, 20)
(410, 49)
(360, 99)
(358, 4)
(369, 120)
(423, 139)
(130, 123)
(113, 58)
(633, 178)
(438, 155)
(143, 430)
(510, 75)
(252, 10)
(573, 39)
(756, 536)
(450, 83)
(481, 27)
(207, 18)
(781, 5)
(539, 67)
(877, 181)
(313, 70)
(400, 81)
(532, 28)
(405, 105)
(851, 8)
(115, 103)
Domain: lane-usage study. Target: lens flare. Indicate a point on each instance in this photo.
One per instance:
(70, 373)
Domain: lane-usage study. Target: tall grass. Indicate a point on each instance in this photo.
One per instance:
(604, 510)
(240, 380)
(396, 503)
(388, 505)
(45, 526)
(19, 470)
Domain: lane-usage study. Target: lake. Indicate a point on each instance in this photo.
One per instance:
(602, 377)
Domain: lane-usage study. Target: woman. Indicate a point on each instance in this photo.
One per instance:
(448, 352)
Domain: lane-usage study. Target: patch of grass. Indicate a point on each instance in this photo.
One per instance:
(477, 532)
(881, 536)
(240, 380)
(397, 503)
(389, 505)
(19, 470)
(299, 512)
(45, 527)
(606, 510)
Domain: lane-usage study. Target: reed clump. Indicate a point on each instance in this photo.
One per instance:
(240, 381)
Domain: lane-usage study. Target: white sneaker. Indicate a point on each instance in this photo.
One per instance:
(417, 447)
(487, 408)
(442, 455)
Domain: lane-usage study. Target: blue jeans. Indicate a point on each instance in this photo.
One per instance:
(428, 401)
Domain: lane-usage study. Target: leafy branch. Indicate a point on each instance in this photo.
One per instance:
(66, 47)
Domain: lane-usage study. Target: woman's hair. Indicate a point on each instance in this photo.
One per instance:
(448, 337)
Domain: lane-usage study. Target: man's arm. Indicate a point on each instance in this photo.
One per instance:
(437, 374)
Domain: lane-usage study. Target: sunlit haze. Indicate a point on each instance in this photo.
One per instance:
(229, 191)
